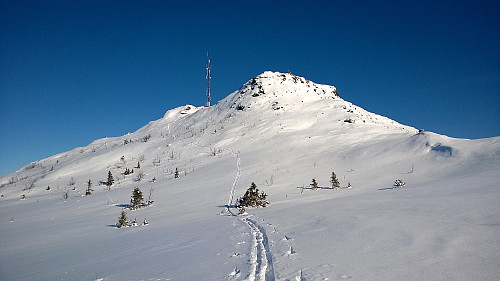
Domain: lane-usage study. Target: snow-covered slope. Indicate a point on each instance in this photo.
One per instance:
(279, 131)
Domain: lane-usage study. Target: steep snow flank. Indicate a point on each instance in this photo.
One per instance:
(279, 131)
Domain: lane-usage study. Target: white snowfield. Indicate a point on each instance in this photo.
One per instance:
(279, 131)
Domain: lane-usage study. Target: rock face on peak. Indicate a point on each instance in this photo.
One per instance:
(265, 90)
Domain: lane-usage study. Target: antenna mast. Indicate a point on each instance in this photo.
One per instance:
(208, 81)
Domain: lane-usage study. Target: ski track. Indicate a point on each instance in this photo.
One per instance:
(236, 179)
(261, 268)
(261, 264)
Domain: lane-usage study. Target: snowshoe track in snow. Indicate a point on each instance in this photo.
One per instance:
(236, 179)
(260, 257)
(261, 263)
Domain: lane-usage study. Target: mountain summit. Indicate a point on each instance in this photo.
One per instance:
(271, 86)
(423, 203)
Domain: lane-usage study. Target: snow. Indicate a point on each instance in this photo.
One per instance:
(279, 131)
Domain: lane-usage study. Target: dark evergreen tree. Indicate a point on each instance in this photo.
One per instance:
(314, 184)
(89, 188)
(252, 198)
(137, 199)
(334, 181)
(122, 220)
(138, 165)
(176, 175)
(110, 180)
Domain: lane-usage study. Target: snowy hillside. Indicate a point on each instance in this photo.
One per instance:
(279, 131)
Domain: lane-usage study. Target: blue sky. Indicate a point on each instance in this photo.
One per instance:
(75, 71)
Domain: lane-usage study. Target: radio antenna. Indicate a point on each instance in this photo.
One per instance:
(208, 80)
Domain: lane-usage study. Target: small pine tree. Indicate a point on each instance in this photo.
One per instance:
(138, 165)
(89, 188)
(252, 198)
(122, 220)
(334, 181)
(314, 184)
(137, 198)
(176, 175)
(110, 180)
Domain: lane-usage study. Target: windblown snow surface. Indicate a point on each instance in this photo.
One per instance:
(279, 131)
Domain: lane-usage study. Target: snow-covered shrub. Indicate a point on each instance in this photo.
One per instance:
(140, 176)
(146, 138)
(128, 171)
(150, 197)
(252, 198)
(399, 183)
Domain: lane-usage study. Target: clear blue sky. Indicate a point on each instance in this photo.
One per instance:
(75, 71)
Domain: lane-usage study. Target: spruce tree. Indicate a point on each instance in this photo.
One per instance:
(89, 188)
(314, 184)
(110, 180)
(137, 198)
(334, 181)
(176, 175)
(252, 198)
(122, 220)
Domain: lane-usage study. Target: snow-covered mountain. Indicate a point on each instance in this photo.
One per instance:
(279, 131)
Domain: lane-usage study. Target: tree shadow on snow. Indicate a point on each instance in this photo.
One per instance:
(389, 188)
(226, 206)
(311, 188)
(129, 206)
